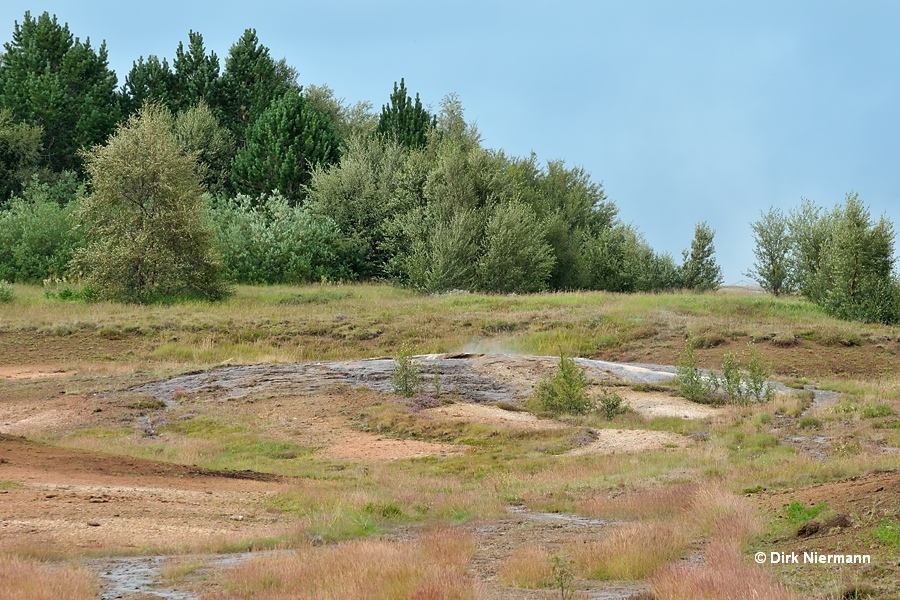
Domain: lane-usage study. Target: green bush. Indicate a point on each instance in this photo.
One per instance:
(406, 378)
(36, 235)
(692, 383)
(612, 405)
(565, 392)
(269, 241)
(6, 291)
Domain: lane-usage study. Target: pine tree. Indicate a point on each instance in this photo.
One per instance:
(282, 148)
(196, 74)
(251, 82)
(63, 85)
(149, 81)
(405, 120)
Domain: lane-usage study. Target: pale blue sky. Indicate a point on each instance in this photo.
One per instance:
(684, 110)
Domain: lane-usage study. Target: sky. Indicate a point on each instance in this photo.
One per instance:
(685, 110)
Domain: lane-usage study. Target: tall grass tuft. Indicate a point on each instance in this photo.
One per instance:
(432, 568)
(724, 574)
(631, 551)
(22, 579)
(527, 567)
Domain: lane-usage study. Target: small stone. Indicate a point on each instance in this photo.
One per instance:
(237, 517)
(93, 524)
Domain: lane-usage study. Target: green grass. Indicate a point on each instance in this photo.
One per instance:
(888, 533)
(798, 513)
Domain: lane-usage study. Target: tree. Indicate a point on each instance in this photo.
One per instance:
(348, 121)
(20, 146)
(811, 233)
(251, 81)
(407, 121)
(196, 74)
(361, 194)
(144, 219)
(774, 268)
(150, 81)
(54, 81)
(860, 264)
(699, 270)
(516, 258)
(282, 148)
(199, 133)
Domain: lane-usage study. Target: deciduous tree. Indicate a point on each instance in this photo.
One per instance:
(144, 220)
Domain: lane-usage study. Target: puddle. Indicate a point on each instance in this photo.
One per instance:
(518, 509)
(123, 577)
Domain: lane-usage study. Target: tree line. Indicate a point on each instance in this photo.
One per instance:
(842, 260)
(202, 172)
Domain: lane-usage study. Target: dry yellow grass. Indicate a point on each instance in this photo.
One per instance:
(724, 574)
(656, 502)
(433, 568)
(527, 567)
(631, 551)
(22, 579)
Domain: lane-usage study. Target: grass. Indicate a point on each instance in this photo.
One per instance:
(433, 567)
(674, 502)
(23, 579)
(528, 567)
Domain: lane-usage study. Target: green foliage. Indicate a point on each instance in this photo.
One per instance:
(612, 405)
(64, 86)
(269, 241)
(845, 261)
(774, 269)
(404, 120)
(738, 384)
(406, 378)
(356, 121)
(149, 81)
(565, 392)
(37, 239)
(199, 133)
(282, 147)
(144, 219)
(196, 74)
(888, 533)
(692, 383)
(874, 411)
(20, 146)
(516, 258)
(6, 291)
(699, 270)
(798, 513)
(362, 194)
(252, 80)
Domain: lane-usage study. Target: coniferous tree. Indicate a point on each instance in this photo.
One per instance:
(406, 120)
(196, 74)
(149, 81)
(699, 271)
(251, 81)
(282, 147)
(50, 79)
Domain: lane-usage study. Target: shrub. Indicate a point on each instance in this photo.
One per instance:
(692, 383)
(268, 241)
(6, 291)
(36, 235)
(406, 378)
(565, 392)
(611, 405)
